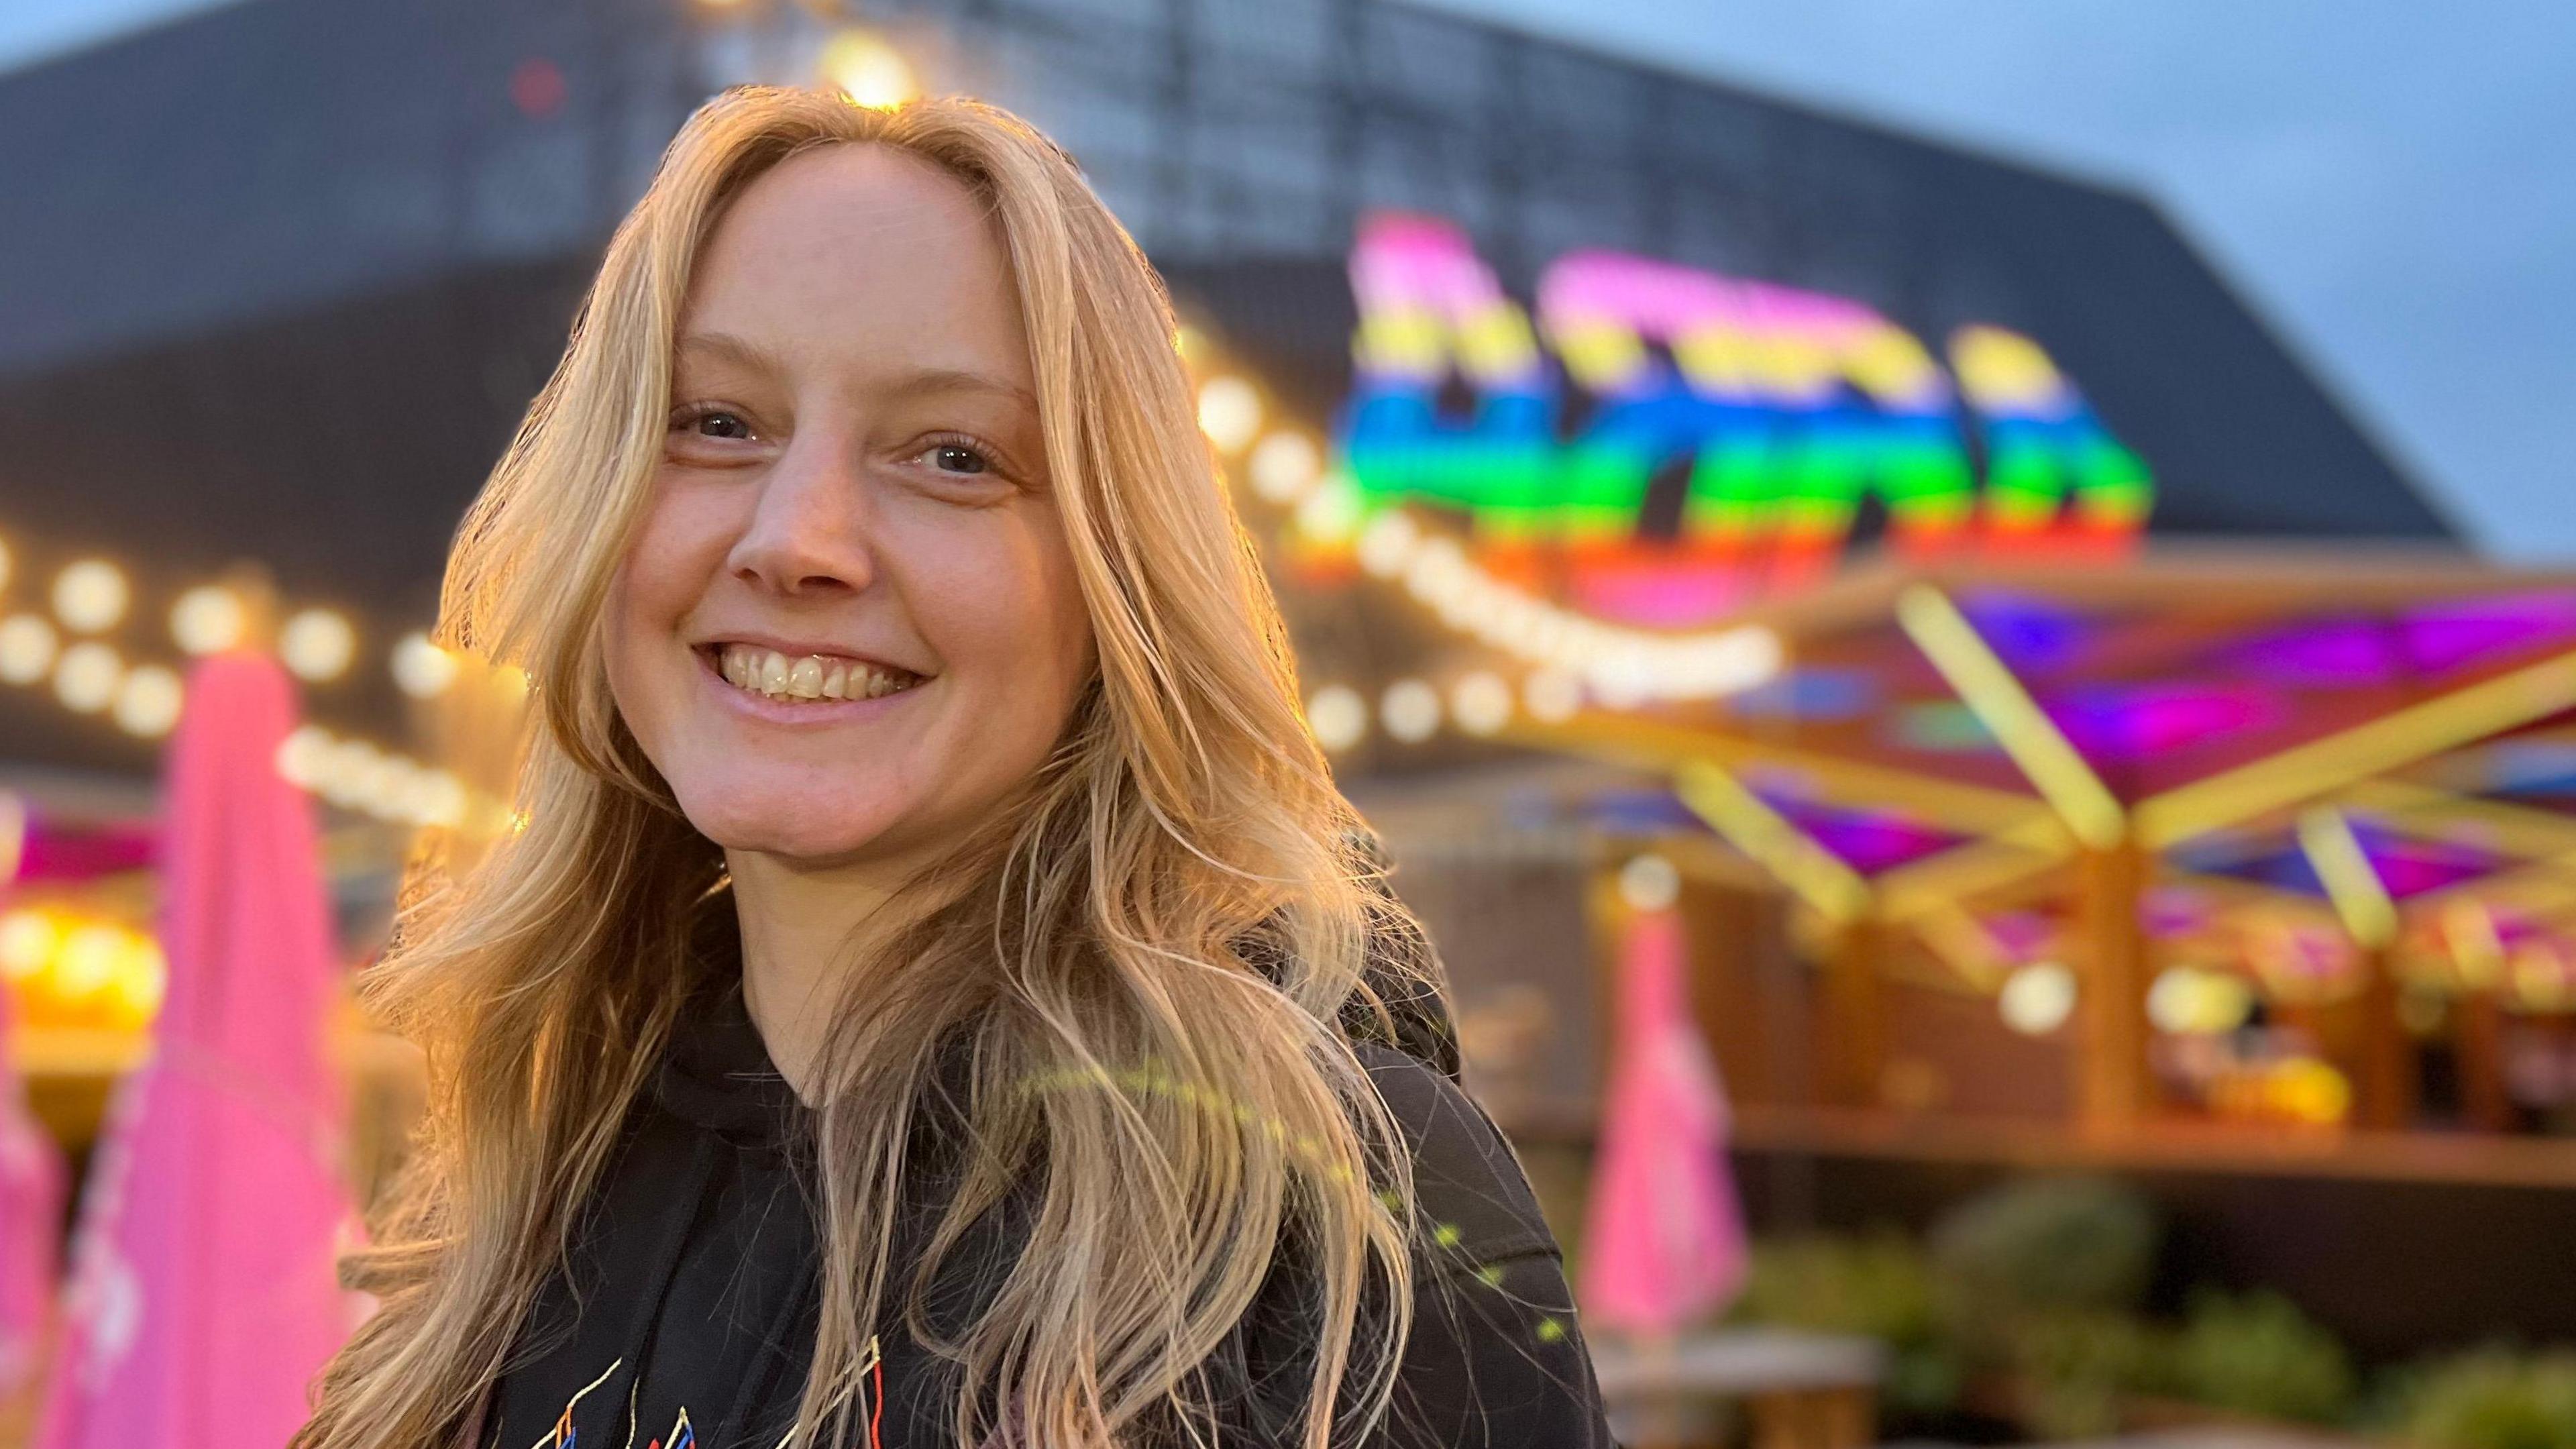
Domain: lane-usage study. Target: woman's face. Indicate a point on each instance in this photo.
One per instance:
(849, 624)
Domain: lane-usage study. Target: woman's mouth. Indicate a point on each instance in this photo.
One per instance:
(772, 675)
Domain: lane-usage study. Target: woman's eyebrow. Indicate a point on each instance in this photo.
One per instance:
(932, 380)
(926, 381)
(725, 347)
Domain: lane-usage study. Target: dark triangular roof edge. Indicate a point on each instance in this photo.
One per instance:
(2331, 384)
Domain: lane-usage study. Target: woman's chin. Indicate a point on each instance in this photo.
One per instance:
(811, 827)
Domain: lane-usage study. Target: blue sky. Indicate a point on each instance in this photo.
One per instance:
(2392, 184)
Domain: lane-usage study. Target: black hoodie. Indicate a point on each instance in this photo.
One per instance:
(686, 1317)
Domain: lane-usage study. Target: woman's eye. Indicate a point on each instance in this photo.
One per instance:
(956, 458)
(719, 424)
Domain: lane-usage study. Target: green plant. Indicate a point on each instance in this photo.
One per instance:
(2075, 1365)
(2259, 1355)
(1878, 1285)
(1875, 1286)
(2045, 1246)
(2492, 1398)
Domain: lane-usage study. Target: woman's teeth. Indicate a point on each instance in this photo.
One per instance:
(813, 676)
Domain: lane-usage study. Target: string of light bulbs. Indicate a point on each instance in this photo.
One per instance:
(1568, 655)
(90, 597)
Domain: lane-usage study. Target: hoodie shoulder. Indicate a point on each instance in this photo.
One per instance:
(1474, 1200)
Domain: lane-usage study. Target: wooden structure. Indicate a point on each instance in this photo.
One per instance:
(2333, 777)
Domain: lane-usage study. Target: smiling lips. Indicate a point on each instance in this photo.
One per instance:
(811, 676)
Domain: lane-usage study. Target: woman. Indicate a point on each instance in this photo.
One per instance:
(935, 997)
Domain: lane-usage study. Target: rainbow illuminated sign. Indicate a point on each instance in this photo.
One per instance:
(1786, 409)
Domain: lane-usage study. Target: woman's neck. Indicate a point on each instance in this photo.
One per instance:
(804, 928)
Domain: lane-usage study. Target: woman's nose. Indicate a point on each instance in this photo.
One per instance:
(811, 529)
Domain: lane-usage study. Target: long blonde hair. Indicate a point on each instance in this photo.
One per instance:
(1177, 903)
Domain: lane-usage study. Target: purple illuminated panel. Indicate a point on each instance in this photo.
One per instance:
(2340, 654)
(2141, 722)
(2033, 635)
(1869, 841)
(2432, 640)
(2444, 637)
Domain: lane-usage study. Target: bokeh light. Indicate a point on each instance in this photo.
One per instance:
(317, 644)
(1338, 716)
(86, 676)
(422, 669)
(91, 595)
(208, 619)
(2037, 998)
(27, 647)
(1229, 413)
(861, 65)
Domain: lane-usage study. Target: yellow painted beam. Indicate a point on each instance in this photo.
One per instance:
(2477, 947)
(2306, 772)
(2513, 829)
(1964, 945)
(2540, 887)
(1922, 886)
(1661, 746)
(2351, 882)
(1814, 874)
(1987, 686)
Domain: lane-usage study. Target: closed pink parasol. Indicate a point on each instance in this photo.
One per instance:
(1664, 1242)
(202, 1297)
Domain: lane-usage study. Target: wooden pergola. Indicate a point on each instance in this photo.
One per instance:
(2334, 771)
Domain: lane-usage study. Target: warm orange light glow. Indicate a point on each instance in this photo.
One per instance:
(866, 69)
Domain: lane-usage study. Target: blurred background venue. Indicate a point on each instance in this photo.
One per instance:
(2015, 554)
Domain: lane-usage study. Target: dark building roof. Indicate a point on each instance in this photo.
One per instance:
(279, 279)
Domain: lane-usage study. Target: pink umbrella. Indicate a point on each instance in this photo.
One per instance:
(202, 1297)
(1664, 1242)
(31, 1208)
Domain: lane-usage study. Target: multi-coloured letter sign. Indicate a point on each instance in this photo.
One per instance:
(1772, 413)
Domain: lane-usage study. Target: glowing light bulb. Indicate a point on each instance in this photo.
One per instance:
(27, 646)
(1338, 716)
(85, 678)
(2186, 1000)
(422, 669)
(91, 595)
(1649, 882)
(317, 644)
(28, 940)
(1284, 466)
(1229, 413)
(1481, 703)
(147, 702)
(208, 619)
(871, 73)
(1411, 709)
(301, 755)
(2038, 998)
(1330, 514)
(1552, 696)
(1387, 545)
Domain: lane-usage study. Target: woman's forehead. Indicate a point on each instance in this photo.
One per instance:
(855, 248)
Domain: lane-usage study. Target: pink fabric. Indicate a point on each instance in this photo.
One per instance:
(1664, 1242)
(31, 1214)
(202, 1296)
